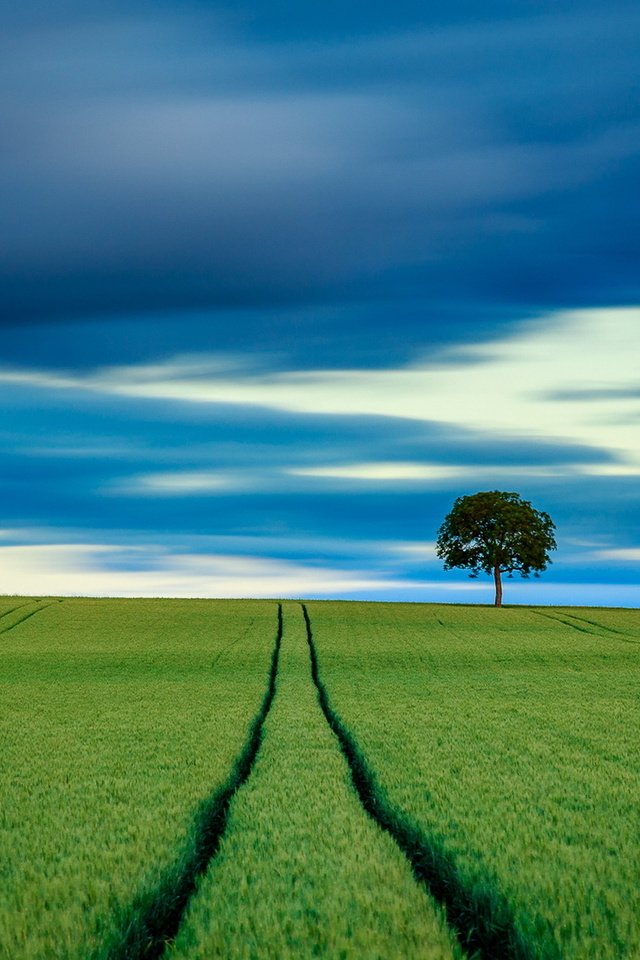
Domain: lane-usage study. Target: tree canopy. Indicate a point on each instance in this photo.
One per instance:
(496, 532)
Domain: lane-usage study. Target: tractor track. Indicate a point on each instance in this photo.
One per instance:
(153, 920)
(481, 918)
(225, 650)
(609, 635)
(601, 626)
(27, 615)
(27, 603)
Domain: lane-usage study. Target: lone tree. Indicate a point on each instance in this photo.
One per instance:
(496, 532)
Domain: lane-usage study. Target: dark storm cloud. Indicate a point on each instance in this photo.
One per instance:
(167, 156)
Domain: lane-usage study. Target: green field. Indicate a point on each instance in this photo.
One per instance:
(248, 779)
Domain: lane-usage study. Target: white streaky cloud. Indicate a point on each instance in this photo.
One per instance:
(599, 542)
(185, 483)
(92, 570)
(417, 472)
(178, 483)
(81, 451)
(43, 379)
(623, 554)
(412, 556)
(419, 550)
(379, 471)
(611, 469)
(569, 377)
(186, 366)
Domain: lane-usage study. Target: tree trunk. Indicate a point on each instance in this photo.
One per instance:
(498, 582)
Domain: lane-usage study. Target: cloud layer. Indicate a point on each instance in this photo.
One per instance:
(186, 160)
(279, 282)
(91, 569)
(570, 378)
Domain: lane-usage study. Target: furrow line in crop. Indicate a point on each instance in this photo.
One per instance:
(601, 627)
(567, 623)
(27, 615)
(18, 607)
(239, 639)
(154, 918)
(591, 633)
(480, 916)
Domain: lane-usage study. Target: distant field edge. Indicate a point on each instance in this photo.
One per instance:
(480, 916)
(154, 917)
(312, 599)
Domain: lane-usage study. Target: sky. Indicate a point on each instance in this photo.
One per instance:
(281, 281)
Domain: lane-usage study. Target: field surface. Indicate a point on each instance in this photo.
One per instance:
(249, 779)
(118, 718)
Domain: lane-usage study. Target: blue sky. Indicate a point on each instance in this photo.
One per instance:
(278, 283)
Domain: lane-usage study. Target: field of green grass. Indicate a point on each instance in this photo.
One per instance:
(118, 719)
(246, 779)
(508, 742)
(303, 871)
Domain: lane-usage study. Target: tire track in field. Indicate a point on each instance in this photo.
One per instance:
(153, 919)
(27, 603)
(27, 615)
(591, 633)
(601, 626)
(233, 643)
(479, 915)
